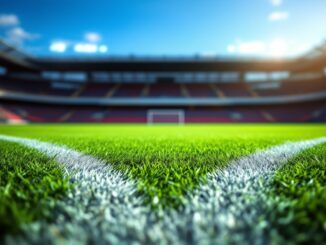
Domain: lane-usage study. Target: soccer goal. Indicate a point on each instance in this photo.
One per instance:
(165, 116)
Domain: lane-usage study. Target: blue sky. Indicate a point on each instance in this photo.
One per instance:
(274, 28)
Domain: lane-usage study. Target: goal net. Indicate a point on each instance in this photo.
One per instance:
(165, 116)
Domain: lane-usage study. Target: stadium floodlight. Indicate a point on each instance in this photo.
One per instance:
(159, 116)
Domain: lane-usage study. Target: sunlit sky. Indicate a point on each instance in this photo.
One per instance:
(274, 28)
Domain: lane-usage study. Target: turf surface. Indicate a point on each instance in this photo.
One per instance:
(30, 184)
(299, 189)
(169, 161)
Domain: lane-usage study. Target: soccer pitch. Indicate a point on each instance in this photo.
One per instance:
(207, 184)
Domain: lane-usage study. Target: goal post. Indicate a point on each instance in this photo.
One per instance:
(159, 116)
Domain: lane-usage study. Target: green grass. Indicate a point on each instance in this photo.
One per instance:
(299, 192)
(168, 160)
(30, 184)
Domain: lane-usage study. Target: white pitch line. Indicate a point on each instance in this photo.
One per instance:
(104, 207)
(228, 208)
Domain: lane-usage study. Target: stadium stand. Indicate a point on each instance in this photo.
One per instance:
(165, 90)
(129, 90)
(124, 90)
(200, 90)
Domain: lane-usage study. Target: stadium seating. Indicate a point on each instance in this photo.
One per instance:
(295, 88)
(231, 90)
(200, 90)
(138, 114)
(306, 112)
(165, 90)
(234, 90)
(129, 90)
(95, 90)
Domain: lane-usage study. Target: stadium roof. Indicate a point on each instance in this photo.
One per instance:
(16, 59)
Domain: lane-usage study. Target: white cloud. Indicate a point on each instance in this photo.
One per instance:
(278, 16)
(18, 35)
(8, 20)
(62, 46)
(275, 48)
(103, 48)
(92, 45)
(276, 2)
(252, 47)
(92, 37)
(231, 48)
(90, 48)
(14, 33)
(85, 48)
(58, 46)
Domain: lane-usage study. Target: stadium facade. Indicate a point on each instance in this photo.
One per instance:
(161, 90)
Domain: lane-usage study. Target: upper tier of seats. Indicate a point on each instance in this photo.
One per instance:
(295, 87)
(196, 90)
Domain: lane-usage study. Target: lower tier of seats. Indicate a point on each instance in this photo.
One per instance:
(40, 113)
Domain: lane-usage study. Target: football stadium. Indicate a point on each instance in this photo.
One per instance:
(125, 142)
